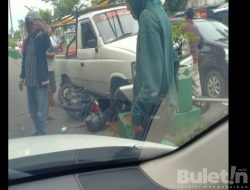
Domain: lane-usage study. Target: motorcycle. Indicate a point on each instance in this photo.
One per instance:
(79, 102)
(73, 99)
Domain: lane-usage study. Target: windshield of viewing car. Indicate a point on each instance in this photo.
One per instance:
(116, 25)
(213, 30)
(79, 99)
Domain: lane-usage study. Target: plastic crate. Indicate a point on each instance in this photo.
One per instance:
(125, 130)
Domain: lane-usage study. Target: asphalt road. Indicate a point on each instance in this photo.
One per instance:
(20, 124)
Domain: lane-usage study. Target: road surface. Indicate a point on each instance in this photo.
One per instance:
(20, 124)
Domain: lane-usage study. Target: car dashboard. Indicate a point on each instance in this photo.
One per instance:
(158, 173)
(132, 178)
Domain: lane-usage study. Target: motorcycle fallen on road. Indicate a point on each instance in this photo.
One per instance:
(78, 102)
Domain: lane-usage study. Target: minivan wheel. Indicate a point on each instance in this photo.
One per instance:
(74, 100)
(215, 86)
(117, 98)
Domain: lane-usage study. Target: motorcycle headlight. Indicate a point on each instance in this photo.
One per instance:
(226, 54)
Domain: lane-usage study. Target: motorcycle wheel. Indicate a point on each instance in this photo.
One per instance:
(63, 91)
(74, 110)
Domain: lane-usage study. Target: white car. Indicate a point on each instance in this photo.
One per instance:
(96, 162)
(105, 50)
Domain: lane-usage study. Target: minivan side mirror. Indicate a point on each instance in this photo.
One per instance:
(92, 43)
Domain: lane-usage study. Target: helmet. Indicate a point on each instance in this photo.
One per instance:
(94, 121)
(32, 16)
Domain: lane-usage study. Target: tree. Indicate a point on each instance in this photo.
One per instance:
(104, 2)
(181, 38)
(12, 42)
(173, 6)
(64, 7)
(45, 15)
(17, 35)
(21, 28)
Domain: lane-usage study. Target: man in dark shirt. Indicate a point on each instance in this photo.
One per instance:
(189, 26)
(34, 71)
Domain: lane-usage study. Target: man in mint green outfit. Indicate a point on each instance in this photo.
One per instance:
(157, 64)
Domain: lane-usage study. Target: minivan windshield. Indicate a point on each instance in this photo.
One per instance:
(115, 25)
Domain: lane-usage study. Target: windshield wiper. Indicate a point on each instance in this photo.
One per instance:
(112, 28)
(123, 36)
